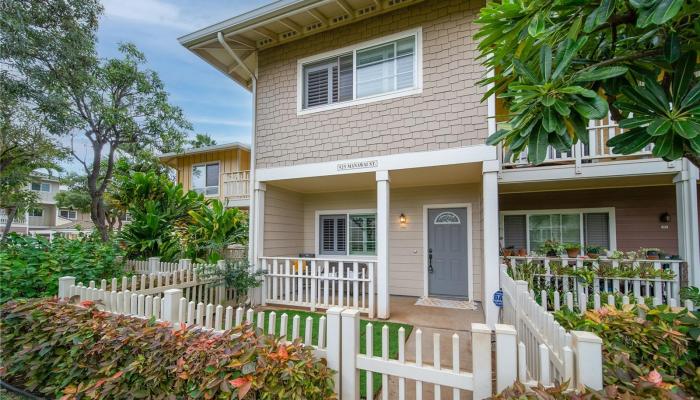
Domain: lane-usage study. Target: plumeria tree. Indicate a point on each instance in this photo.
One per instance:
(559, 63)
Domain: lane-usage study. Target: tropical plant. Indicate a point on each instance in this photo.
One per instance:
(647, 387)
(239, 276)
(213, 229)
(30, 267)
(551, 248)
(558, 64)
(82, 352)
(691, 293)
(202, 140)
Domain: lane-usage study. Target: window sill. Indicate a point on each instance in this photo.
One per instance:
(364, 100)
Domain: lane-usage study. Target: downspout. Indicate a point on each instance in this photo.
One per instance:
(252, 245)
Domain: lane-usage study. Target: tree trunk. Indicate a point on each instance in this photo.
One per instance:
(97, 214)
(10, 212)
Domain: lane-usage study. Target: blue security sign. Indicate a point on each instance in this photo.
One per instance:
(498, 298)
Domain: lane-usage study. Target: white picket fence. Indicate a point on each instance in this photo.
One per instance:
(319, 283)
(581, 301)
(154, 265)
(547, 353)
(665, 291)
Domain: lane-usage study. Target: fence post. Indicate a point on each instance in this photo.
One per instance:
(333, 343)
(589, 359)
(153, 264)
(64, 284)
(520, 291)
(481, 361)
(221, 288)
(506, 348)
(349, 376)
(171, 304)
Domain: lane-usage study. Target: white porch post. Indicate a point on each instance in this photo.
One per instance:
(258, 232)
(382, 244)
(687, 210)
(490, 266)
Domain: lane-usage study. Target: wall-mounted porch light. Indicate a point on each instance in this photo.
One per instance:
(402, 219)
(665, 217)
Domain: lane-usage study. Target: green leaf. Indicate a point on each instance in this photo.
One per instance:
(600, 74)
(578, 90)
(604, 11)
(536, 26)
(672, 47)
(497, 137)
(636, 122)
(546, 62)
(590, 23)
(550, 119)
(595, 108)
(570, 50)
(547, 100)
(687, 129)
(537, 146)
(630, 142)
(665, 10)
(560, 142)
(692, 98)
(663, 146)
(562, 108)
(575, 28)
(523, 71)
(683, 75)
(659, 126)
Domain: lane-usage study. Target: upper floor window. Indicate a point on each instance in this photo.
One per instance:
(68, 214)
(36, 212)
(41, 187)
(374, 70)
(205, 179)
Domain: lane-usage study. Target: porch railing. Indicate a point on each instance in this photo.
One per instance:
(236, 185)
(599, 132)
(19, 219)
(655, 279)
(320, 283)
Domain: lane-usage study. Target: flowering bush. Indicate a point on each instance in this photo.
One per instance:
(68, 351)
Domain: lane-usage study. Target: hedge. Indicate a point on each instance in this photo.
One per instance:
(63, 350)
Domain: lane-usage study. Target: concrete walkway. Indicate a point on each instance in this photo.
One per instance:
(433, 320)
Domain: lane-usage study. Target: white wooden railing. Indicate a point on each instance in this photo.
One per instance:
(621, 277)
(319, 283)
(236, 185)
(547, 353)
(599, 132)
(154, 265)
(19, 219)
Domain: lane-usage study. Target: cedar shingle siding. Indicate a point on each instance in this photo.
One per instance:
(448, 113)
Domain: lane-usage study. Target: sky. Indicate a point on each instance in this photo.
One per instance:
(213, 103)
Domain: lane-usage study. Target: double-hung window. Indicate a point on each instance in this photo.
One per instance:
(68, 214)
(41, 187)
(371, 70)
(348, 234)
(205, 179)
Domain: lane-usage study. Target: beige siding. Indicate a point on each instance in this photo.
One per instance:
(232, 160)
(448, 113)
(290, 216)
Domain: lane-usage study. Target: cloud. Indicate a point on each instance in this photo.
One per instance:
(150, 12)
(241, 123)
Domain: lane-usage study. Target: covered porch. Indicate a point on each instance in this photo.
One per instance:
(356, 238)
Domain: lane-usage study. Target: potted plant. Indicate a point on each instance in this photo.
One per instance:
(508, 251)
(522, 252)
(652, 253)
(551, 248)
(593, 251)
(572, 249)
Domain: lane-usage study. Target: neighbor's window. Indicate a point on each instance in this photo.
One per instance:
(381, 69)
(205, 179)
(531, 230)
(36, 212)
(41, 187)
(343, 234)
(68, 214)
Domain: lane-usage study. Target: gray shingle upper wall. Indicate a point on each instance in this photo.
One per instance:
(448, 113)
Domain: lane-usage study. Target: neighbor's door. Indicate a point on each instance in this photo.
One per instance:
(447, 252)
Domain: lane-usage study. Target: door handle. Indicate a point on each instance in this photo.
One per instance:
(430, 261)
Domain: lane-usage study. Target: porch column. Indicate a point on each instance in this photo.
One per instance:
(258, 233)
(382, 244)
(687, 210)
(490, 265)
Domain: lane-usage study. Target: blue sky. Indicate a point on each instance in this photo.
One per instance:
(213, 103)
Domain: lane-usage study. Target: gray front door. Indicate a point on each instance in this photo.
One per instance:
(447, 252)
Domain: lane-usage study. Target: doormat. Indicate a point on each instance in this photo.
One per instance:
(445, 303)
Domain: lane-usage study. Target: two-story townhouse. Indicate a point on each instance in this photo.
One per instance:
(368, 149)
(219, 171)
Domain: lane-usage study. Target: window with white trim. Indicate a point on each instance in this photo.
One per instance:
(205, 179)
(68, 214)
(531, 229)
(348, 234)
(365, 72)
(41, 187)
(36, 212)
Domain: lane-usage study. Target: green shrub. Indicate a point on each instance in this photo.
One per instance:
(62, 350)
(30, 267)
(663, 341)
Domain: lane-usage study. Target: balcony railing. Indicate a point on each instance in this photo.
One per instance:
(236, 185)
(19, 220)
(599, 132)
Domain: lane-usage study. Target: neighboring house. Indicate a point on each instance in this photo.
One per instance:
(45, 218)
(369, 146)
(219, 171)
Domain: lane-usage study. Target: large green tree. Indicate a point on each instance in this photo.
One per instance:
(115, 105)
(557, 64)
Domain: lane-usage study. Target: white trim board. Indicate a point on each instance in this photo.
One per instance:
(457, 155)
(470, 247)
(612, 223)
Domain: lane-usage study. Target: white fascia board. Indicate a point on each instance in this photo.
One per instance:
(457, 155)
(589, 171)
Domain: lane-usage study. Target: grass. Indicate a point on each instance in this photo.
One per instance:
(377, 339)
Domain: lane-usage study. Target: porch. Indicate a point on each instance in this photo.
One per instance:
(359, 239)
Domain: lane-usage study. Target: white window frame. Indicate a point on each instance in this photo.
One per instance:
(218, 186)
(612, 229)
(69, 212)
(418, 72)
(347, 213)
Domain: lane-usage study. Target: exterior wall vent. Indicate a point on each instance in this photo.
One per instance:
(288, 34)
(314, 26)
(366, 10)
(340, 18)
